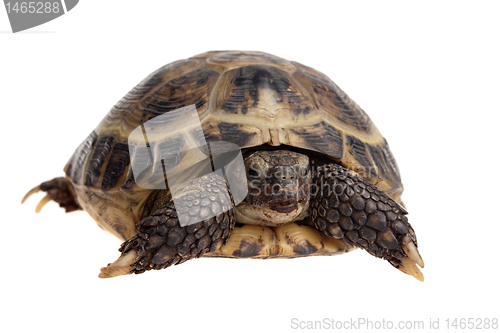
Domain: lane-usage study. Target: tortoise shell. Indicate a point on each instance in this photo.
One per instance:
(247, 98)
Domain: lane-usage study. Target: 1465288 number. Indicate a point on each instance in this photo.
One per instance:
(33, 7)
(472, 323)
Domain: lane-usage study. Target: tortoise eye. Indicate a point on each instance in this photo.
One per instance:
(253, 173)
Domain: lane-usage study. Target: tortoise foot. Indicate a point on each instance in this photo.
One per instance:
(59, 190)
(348, 207)
(202, 223)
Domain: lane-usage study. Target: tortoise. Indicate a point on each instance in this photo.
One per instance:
(302, 169)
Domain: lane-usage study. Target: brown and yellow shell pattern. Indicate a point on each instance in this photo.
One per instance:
(247, 98)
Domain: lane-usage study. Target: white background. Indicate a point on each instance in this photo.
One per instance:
(427, 73)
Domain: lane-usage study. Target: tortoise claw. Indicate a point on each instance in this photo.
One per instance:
(412, 251)
(408, 266)
(122, 266)
(42, 203)
(34, 190)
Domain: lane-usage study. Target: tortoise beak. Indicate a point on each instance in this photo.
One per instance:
(285, 196)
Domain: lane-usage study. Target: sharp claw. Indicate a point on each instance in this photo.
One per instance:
(122, 266)
(412, 251)
(409, 267)
(34, 190)
(42, 203)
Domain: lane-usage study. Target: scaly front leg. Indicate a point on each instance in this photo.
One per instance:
(202, 222)
(346, 206)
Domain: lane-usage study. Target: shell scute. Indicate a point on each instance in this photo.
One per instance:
(261, 91)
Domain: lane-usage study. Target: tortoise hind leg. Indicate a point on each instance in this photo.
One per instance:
(346, 206)
(161, 241)
(59, 190)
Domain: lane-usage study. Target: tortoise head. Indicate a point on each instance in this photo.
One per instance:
(278, 187)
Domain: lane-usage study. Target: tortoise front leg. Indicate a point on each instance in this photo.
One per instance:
(346, 206)
(161, 241)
